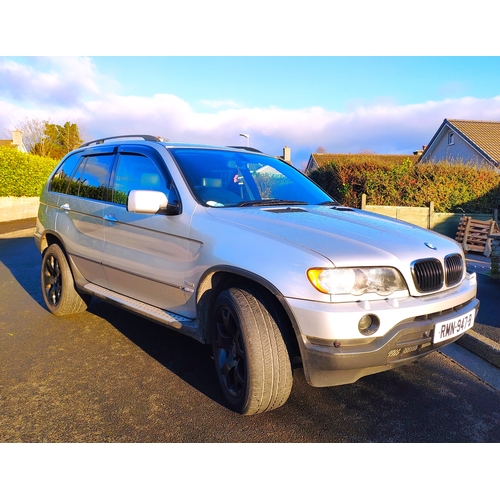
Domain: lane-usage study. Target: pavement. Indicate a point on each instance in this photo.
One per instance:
(483, 340)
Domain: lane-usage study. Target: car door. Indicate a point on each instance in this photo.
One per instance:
(80, 211)
(145, 255)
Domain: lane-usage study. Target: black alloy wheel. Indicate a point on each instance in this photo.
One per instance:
(59, 292)
(251, 359)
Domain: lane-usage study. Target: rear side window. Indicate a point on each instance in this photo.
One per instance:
(91, 179)
(61, 178)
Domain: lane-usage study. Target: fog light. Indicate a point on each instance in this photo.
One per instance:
(368, 324)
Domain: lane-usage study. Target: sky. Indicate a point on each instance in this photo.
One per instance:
(359, 87)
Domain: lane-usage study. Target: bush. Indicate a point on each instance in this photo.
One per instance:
(23, 174)
(451, 186)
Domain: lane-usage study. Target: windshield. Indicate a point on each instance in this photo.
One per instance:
(239, 178)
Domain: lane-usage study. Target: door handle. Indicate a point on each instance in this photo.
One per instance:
(110, 218)
(65, 207)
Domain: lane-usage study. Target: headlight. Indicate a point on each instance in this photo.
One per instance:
(357, 281)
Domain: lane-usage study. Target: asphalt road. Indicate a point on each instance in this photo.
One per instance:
(108, 376)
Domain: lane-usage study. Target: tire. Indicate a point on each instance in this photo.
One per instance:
(58, 286)
(251, 358)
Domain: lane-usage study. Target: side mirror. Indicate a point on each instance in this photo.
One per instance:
(150, 202)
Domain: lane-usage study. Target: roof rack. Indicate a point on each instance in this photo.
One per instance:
(101, 141)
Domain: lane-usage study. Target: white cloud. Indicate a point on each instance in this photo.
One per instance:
(70, 89)
(221, 104)
(55, 81)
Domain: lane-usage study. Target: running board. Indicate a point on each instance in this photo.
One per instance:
(185, 325)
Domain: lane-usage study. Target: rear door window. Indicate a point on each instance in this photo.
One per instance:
(91, 180)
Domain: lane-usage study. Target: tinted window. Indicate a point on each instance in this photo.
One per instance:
(91, 178)
(62, 176)
(136, 172)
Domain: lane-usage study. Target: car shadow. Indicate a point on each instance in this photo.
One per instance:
(22, 258)
(185, 357)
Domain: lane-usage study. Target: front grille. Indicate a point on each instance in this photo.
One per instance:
(429, 276)
(454, 269)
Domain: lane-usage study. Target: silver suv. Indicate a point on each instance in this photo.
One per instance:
(239, 250)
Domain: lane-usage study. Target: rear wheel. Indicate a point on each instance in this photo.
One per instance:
(250, 355)
(58, 286)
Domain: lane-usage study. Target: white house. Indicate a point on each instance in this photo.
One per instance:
(465, 141)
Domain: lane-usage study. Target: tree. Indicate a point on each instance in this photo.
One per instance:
(34, 133)
(44, 138)
(57, 140)
(321, 149)
(65, 138)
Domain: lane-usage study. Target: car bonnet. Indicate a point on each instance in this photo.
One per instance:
(344, 236)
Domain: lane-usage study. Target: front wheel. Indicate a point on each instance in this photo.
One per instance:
(58, 286)
(251, 358)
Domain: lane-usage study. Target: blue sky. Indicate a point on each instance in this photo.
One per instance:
(208, 82)
(332, 82)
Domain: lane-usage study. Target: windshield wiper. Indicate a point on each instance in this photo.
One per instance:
(260, 203)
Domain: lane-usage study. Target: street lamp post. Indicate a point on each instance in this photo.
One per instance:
(248, 138)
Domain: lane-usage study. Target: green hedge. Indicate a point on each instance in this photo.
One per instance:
(23, 174)
(452, 187)
(386, 180)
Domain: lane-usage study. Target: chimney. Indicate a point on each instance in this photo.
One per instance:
(17, 137)
(287, 154)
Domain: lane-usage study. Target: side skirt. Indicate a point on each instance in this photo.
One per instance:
(184, 325)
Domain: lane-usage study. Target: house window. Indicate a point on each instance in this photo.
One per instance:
(451, 138)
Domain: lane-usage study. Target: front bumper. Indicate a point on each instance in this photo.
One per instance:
(335, 353)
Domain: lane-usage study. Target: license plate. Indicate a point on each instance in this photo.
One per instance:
(453, 327)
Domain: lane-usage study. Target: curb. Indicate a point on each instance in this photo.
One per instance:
(21, 233)
(481, 346)
(19, 228)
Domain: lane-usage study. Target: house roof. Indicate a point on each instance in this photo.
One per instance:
(483, 136)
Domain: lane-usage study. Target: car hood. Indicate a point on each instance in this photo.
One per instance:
(343, 235)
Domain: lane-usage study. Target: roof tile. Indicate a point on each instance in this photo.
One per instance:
(485, 134)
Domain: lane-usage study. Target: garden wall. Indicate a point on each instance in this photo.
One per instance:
(15, 208)
(443, 223)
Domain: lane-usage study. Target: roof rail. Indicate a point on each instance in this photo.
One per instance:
(101, 141)
(246, 148)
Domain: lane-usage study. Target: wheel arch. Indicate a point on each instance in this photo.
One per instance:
(49, 238)
(216, 279)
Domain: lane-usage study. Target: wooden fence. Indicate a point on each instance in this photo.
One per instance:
(426, 217)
